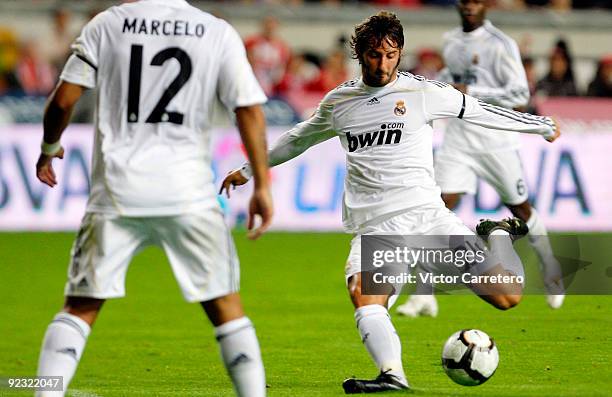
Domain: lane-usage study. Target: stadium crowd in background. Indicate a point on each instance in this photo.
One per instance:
(30, 66)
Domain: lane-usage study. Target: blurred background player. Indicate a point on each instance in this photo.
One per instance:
(485, 63)
(159, 65)
(389, 186)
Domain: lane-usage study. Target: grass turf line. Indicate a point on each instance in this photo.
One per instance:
(151, 343)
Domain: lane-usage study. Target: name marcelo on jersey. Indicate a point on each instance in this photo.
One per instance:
(388, 134)
(165, 28)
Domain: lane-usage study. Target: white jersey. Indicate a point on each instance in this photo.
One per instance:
(387, 136)
(489, 63)
(159, 66)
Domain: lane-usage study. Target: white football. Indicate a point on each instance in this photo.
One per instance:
(470, 357)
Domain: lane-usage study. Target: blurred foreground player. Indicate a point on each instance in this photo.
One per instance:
(483, 62)
(158, 66)
(383, 121)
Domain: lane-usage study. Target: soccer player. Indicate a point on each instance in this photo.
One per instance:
(158, 66)
(383, 121)
(483, 62)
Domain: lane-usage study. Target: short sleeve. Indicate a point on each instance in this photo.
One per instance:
(77, 71)
(237, 85)
(82, 65)
(87, 44)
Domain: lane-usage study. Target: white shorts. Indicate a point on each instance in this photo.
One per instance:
(458, 172)
(198, 246)
(430, 220)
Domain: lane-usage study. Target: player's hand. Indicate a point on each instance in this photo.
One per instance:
(261, 205)
(44, 168)
(557, 133)
(233, 179)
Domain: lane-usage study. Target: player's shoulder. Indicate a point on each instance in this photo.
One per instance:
(415, 82)
(498, 37)
(347, 89)
(186, 11)
(452, 35)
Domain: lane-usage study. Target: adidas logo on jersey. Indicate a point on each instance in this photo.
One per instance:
(388, 134)
(373, 101)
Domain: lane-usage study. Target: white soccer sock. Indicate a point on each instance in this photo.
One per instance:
(242, 357)
(380, 339)
(62, 348)
(538, 238)
(501, 246)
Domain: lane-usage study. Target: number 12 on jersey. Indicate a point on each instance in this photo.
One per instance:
(159, 113)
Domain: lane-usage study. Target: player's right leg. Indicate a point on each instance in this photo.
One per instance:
(238, 344)
(376, 331)
(201, 252)
(99, 259)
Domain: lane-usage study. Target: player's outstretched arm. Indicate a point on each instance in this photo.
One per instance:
(56, 118)
(448, 102)
(495, 117)
(251, 124)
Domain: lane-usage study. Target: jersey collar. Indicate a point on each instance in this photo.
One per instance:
(169, 3)
(376, 89)
(474, 34)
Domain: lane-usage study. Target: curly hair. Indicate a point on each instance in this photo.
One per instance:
(371, 33)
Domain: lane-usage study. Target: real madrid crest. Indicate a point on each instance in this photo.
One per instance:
(400, 108)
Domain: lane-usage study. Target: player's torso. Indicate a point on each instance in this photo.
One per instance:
(386, 136)
(157, 78)
(388, 145)
(474, 60)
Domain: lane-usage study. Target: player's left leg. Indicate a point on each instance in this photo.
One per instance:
(538, 239)
(65, 340)
(201, 252)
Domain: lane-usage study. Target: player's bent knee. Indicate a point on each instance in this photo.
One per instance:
(506, 302)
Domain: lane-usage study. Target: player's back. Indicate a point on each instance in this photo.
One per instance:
(160, 66)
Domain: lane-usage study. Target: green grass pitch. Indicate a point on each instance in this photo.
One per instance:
(151, 343)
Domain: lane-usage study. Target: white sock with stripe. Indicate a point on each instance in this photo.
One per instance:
(242, 357)
(62, 348)
(380, 339)
(549, 265)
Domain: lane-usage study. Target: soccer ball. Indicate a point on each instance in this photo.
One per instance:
(470, 357)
